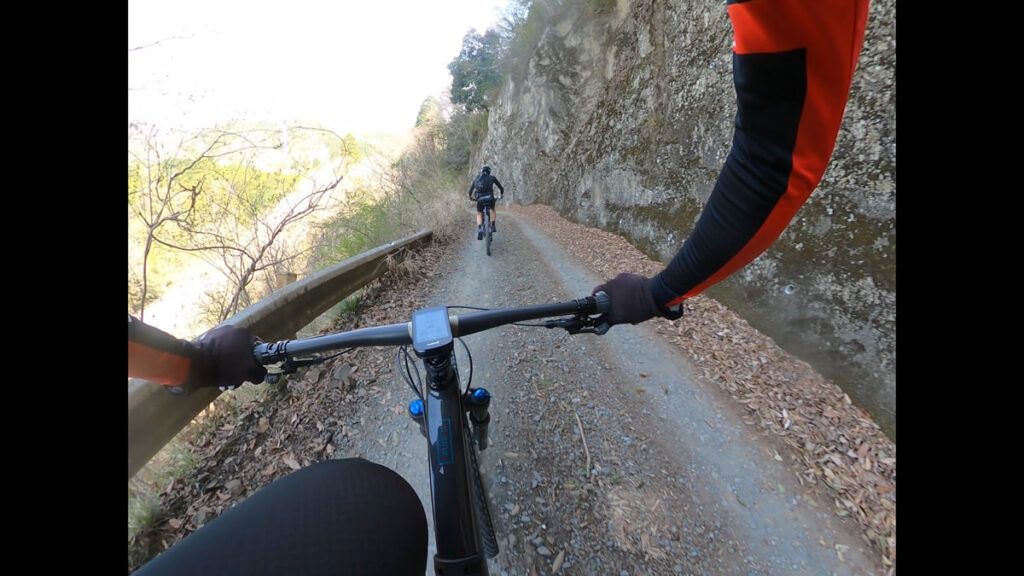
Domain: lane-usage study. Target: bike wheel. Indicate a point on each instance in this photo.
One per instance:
(487, 230)
(483, 508)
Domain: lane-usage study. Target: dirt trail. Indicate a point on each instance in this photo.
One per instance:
(670, 475)
(677, 484)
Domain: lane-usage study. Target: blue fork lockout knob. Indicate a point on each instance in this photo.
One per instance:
(481, 396)
(416, 413)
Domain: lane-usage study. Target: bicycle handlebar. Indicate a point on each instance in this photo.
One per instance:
(401, 334)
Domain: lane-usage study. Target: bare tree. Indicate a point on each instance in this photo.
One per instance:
(164, 182)
(244, 249)
(220, 195)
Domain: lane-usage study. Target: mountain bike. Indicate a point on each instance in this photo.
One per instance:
(488, 235)
(452, 419)
(487, 228)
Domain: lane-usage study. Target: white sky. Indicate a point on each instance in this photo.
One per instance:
(351, 65)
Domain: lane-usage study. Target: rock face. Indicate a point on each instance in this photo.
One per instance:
(622, 117)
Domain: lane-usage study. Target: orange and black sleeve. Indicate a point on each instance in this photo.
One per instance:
(793, 64)
(158, 356)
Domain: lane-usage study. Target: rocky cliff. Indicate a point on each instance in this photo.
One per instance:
(622, 117)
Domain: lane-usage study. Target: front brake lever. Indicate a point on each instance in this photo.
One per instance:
(569, 324)
(579, 325)
(599, 329)
(288, 366)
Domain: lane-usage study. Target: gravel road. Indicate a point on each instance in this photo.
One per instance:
(677, 483)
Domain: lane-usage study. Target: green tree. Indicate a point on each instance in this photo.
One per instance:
(462, 134)
(431, 114)
(475, 71)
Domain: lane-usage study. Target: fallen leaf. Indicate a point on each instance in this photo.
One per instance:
(557, 564)
(291, 463)
(840, 548)
(863, 450)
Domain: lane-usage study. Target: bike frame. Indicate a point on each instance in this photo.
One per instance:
(456, 532)
(456, 526)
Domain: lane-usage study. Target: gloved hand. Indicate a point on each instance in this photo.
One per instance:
(631, 301)
(226, 358)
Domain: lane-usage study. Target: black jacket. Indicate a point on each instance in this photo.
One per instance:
(486, 184)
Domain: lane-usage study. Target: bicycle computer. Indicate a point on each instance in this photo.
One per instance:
(430, 329)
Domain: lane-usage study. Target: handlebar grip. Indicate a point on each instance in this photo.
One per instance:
(257, 351)
(603, 303)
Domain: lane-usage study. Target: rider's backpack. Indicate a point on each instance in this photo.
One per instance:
(483, 185)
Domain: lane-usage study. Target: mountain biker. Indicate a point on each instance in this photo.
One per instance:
(301, 523)
(482, 190)
(793, 63)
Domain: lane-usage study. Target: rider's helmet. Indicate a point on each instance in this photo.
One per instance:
(486, 169)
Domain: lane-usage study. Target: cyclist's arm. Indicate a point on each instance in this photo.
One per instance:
(221, 357)
(793, 64)
(500, 187)
(158, 356)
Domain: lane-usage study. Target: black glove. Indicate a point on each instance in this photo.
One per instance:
(631, 301)
(226, 358)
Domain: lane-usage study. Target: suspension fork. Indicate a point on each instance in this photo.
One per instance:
(459, 550)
